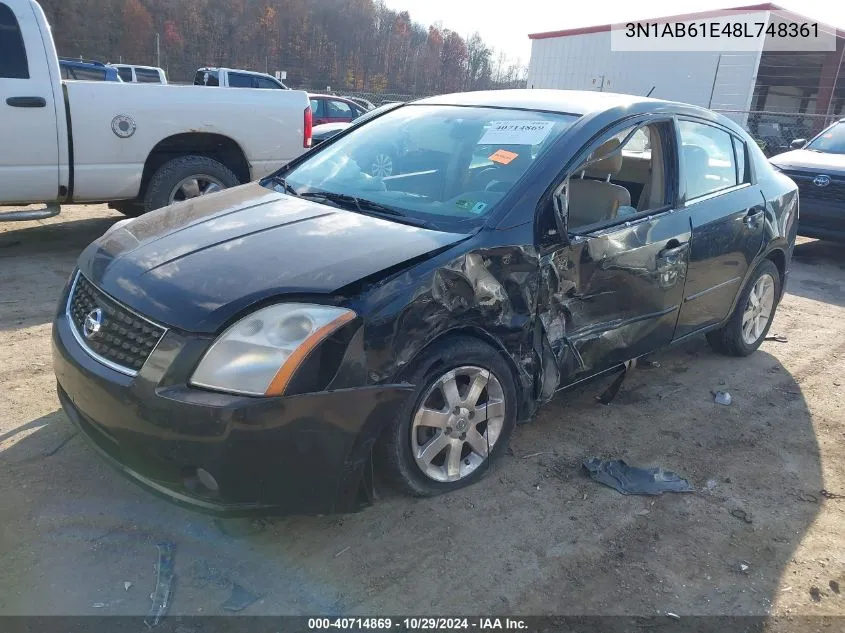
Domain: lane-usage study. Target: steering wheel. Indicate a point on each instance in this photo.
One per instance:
(482, 174)
(498, 186)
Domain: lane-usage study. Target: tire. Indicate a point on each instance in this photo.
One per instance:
(396, 448)
(729, 339)
(173, 172)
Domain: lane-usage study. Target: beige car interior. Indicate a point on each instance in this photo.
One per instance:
(618, 180)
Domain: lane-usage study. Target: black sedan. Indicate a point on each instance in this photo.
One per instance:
(818, 167)
(269, 346)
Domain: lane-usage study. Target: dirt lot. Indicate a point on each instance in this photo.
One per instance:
(535, 537)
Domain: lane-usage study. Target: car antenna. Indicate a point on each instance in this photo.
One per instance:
(650, 91)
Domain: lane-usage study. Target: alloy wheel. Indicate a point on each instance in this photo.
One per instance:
(382, 165)
(195, 186)
(758, 310)
(457, 423)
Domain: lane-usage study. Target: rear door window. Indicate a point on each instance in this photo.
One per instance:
(147, 76)
(238, 80)
(741, 153)
(340, 110)
(89, 74)
(263, 82)
(125, 74)
(708, 157)
(317, 108)
(13, 63)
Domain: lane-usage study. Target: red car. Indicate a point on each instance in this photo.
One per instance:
(330, 109)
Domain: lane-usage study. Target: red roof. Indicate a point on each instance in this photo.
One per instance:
(675, 18)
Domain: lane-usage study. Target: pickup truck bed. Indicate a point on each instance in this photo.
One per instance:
(136, 146)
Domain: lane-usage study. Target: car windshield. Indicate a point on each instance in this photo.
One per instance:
(443, 166)
(832, 140)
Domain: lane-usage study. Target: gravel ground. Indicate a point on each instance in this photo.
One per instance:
(534, 537)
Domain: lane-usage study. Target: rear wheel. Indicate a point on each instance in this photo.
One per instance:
(187, 177)
(458, 421)
(752, 316)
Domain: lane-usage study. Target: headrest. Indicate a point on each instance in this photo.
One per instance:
(611, 165)
(696, 157)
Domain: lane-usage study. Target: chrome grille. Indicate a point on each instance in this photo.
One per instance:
(116, 336)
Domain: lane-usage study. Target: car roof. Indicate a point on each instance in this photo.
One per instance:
(235, 70)
(137, 66)
(82, 62)
(324, 96)
(563, 101)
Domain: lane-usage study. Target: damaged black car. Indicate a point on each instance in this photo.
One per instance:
(272, 346)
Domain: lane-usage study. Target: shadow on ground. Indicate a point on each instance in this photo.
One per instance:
(819, 272)
(35, 263)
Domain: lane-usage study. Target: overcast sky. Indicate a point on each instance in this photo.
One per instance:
(505, 24)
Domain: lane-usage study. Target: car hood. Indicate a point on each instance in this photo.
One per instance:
(196, 264)
(808, 160)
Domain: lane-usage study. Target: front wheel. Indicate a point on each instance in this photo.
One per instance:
(458, 421)
(752, 316)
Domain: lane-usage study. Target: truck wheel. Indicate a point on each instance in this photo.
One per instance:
(456, 423)
(187, 177)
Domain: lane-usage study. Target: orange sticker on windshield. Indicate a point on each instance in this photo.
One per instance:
(503, 156)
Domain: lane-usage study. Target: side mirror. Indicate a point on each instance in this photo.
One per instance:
(798, 143)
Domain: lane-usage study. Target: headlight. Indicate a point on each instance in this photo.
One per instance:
(259, 354)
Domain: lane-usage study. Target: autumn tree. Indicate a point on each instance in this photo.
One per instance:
(347, 44)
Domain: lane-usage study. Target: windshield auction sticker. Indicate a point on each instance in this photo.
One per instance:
(725, 31)
(516, 133)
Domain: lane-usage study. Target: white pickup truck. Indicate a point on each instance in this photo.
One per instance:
(137, 149)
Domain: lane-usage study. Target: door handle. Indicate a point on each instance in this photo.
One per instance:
(673, 248)
(753, 217)
(26, 102)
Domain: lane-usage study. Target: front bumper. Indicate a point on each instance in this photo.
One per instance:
(303, 454)
(822, 218)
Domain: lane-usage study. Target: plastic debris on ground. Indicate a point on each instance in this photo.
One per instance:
(163, 592)
(240, 599)
(610, 393)
(635, 481)
(722, 397)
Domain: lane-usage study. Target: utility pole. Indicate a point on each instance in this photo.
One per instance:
(715, 77)
(158, 51)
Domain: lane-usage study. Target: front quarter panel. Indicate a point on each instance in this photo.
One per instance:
(486, 288)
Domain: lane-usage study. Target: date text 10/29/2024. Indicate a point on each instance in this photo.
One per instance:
(418, 624)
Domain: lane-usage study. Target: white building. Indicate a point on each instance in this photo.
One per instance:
(747, 85)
